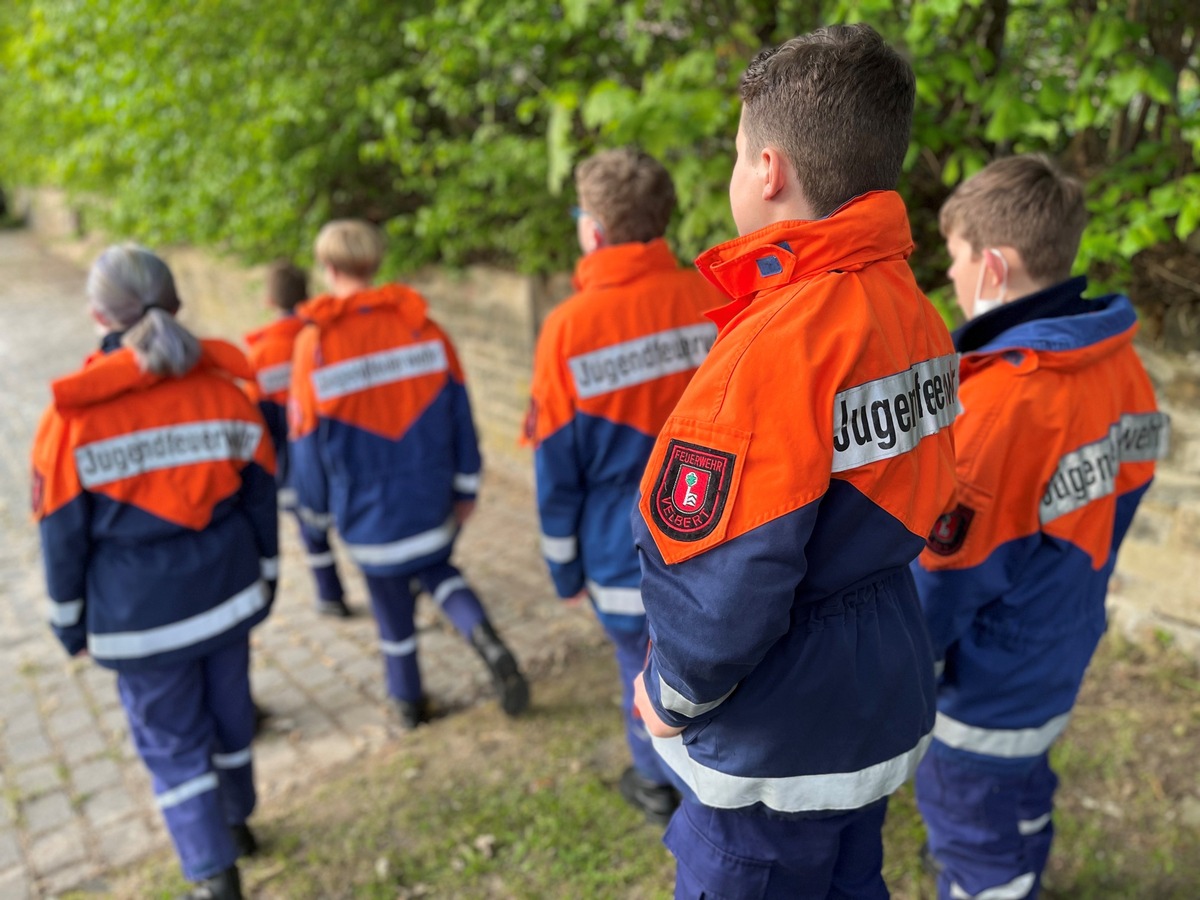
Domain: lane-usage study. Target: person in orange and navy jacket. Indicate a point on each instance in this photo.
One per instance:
(790, 684)
(270, 355)
(611, 362)
(383, 446)
(155, 497)
(1056, 447)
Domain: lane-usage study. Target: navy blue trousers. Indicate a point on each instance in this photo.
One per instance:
(727, 855)
(192, 724)
(989, 828)
(321, 562)
(393, 603)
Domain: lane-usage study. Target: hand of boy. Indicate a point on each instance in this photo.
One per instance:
(462, 511)
(641, 702)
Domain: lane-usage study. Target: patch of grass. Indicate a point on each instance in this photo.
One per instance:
(477, 806)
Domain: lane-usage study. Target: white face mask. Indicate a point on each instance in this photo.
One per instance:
(987, 304)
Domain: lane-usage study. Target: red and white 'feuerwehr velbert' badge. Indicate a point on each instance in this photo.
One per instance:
(691, 490)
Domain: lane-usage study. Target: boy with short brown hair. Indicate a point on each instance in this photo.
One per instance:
(1056, 446)
(611, 362)
(269, 350)
(789, 685)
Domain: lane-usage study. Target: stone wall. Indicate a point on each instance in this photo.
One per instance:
(493, 316)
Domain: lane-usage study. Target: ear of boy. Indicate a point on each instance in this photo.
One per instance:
(782, 194)
(1011, 272)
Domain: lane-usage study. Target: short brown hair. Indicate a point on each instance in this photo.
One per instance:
(287, 285)
(352, 246)
(838, 102)
(1024, 202)
(629, 192)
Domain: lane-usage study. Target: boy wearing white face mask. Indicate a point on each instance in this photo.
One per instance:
(1055, 446)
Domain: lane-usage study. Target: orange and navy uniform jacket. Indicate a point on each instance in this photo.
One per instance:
(155, 497)
(1056, 446)
(269, 350)
(382, 441)
(786, 496)
(611, 362)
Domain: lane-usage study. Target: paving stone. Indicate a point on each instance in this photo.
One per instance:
(70, 878)
(15, 884)
(50, 811)
(10, 850)
(64, 723)
(83, 747)
(61, 847)
(96, 775)
(106, 806)
(129, 840)
(37, 779)
(27, 748)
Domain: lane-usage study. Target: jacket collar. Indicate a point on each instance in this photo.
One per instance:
(108, 375)
(1056, 319)
(286, 324)
(868, 229)
(622, 263)
(327, 309)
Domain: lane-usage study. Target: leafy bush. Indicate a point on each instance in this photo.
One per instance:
(457, 123)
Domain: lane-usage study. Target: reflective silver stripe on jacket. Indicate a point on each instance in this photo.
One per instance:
(1091, 471)
(208, 624)
(273, 379)
(467, 484)
(66, 614)
(560, 550)
(676, 702)
(617, 601)
(270, 568)
(166, 447)
(383, 367)
(1026, 827)
(405, 549)
(641, 360)
(320, 560)
(1017, 889)
(792, 793)
(891, 415)
(1006, 743)
(317, 520)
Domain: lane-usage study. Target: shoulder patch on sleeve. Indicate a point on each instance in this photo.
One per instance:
(691, 490)
(38, 494)
(690, 484)
(950, 531)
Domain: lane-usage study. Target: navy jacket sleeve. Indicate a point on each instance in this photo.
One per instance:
(707, 631)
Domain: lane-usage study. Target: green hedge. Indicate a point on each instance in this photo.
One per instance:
(245, 125)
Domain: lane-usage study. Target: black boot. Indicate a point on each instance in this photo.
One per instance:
(412, 714)
(226, 885)
(510, 684)
(656, 801)
(243, 839)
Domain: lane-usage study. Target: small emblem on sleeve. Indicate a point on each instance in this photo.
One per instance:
(950, 531)
(691, 490)
(529, 427)
(38, 494)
